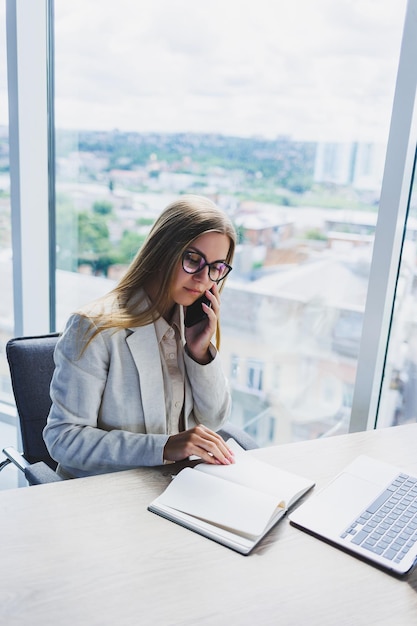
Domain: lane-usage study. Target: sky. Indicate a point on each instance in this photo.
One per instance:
(307, 69)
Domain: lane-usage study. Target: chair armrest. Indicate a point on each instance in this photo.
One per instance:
(16, 458)
(40, 473)
(4, 464)
(35, 474)
(243, 439)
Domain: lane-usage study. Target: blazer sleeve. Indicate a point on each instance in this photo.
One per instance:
(210, 390)
(72, 434)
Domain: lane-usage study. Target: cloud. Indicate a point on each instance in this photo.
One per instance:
(307, 69)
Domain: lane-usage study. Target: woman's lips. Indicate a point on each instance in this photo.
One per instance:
(194, 292)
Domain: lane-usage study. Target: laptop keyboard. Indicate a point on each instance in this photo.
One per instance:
(388, 527)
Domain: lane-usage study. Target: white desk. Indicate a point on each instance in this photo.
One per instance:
(87, 552)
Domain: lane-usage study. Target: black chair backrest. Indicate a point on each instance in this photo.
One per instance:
(31, 367)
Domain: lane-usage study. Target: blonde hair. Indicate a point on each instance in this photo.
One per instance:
(175, 229)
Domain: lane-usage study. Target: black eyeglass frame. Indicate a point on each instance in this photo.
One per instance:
(206, 264)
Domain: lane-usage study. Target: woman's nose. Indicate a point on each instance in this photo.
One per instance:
(203, 275)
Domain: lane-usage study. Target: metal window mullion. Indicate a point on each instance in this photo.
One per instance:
(28, 138)
(51, 162)
(392, 219)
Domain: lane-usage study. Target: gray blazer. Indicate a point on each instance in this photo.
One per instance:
(108, 407)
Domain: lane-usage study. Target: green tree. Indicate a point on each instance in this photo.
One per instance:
(102, 207)
(128, 246)
(315, 234)
(94, 247)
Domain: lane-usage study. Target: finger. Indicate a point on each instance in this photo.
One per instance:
(213, 295)
(214, 458)
(213, 445)
(211, 312)
(214, 306)
(200, 441)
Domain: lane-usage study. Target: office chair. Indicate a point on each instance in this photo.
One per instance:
(31, 368)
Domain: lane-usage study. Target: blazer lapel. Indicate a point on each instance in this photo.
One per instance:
(144, 348)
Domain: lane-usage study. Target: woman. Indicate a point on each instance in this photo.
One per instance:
(132, 385)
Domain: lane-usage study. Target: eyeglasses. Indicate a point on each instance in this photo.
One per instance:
(194, 262)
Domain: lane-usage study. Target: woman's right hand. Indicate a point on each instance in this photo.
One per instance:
(199, 441)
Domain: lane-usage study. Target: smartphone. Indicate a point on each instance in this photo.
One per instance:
(195, 313)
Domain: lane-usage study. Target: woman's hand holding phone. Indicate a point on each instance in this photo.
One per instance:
(199, 334)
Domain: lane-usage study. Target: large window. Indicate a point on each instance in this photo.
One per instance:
(281, 114)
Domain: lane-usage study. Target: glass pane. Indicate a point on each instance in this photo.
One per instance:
(279, 114)
(8, 431)
(6, 280)
(399, 393)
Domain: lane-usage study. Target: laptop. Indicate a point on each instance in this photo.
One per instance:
(369, 510)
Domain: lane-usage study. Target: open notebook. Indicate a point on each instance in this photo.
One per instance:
(235, 505)
(370, 510)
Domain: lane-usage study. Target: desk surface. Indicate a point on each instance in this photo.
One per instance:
(88, 552)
